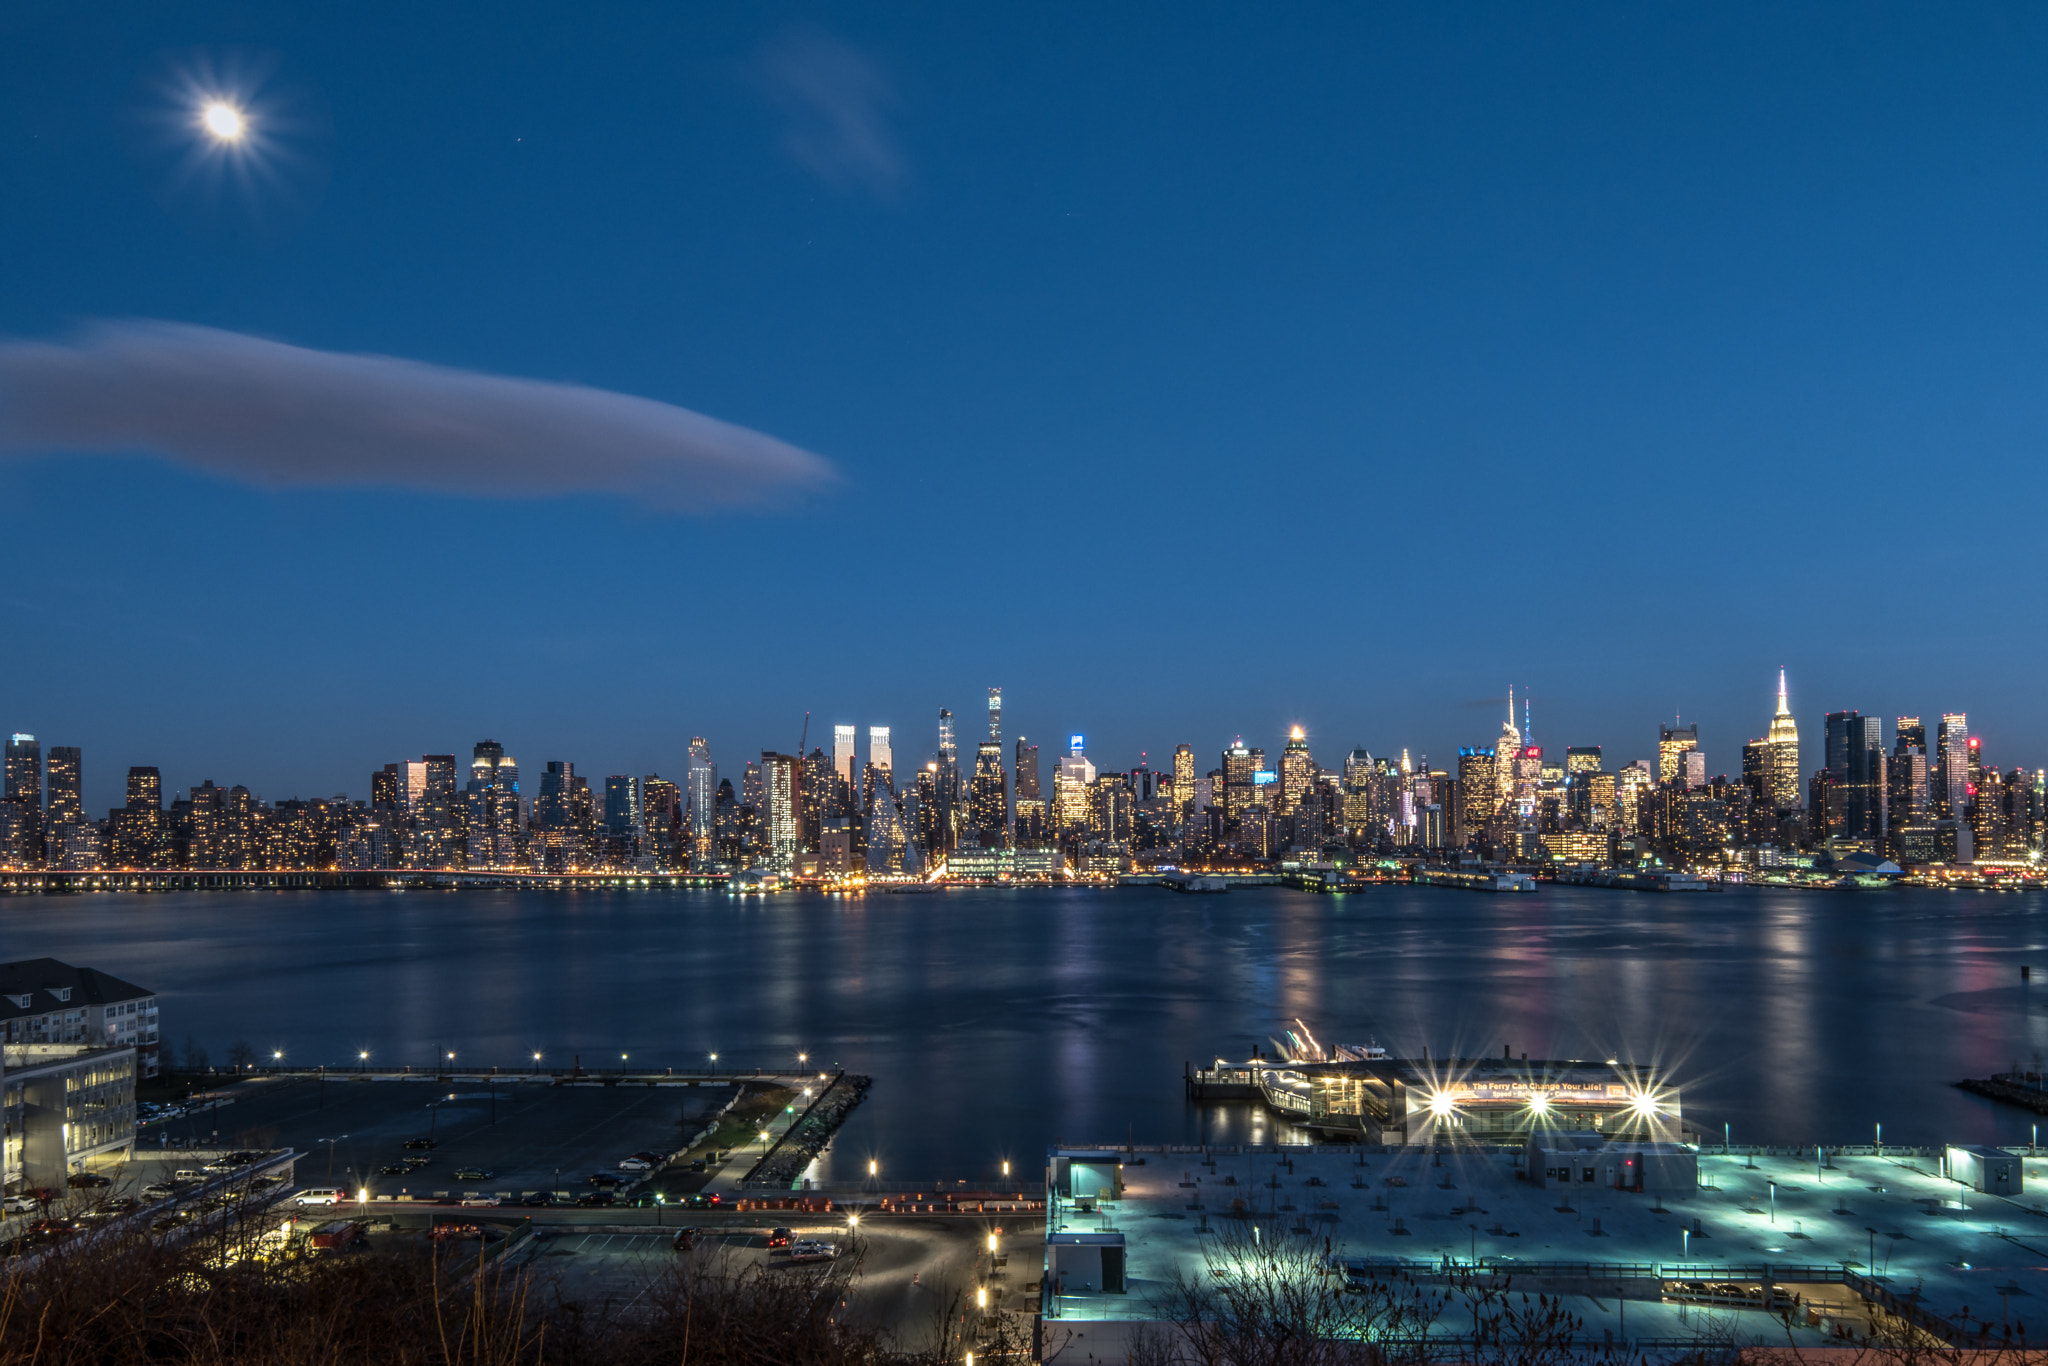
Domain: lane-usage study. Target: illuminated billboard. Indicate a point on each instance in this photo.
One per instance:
(1265, 775)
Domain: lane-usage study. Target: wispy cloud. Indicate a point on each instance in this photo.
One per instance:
(837, 101)
(282, 416)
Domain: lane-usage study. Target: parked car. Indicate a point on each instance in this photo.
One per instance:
(656, 1158)
(159, 1190)
(589, 1198)
(700, 1200)
(477, 1199)
(18, 1204)
(697, 1165)
(635, 1164)
(421, 1143)
(186, 1174)
(218, 1166)
(91, 1181)
(538, 1198)
(779, 1237)
(811, 1250)
(605, 1180)
(474, 1174)
(323, 1195)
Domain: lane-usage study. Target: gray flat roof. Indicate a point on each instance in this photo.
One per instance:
(1891, 1216)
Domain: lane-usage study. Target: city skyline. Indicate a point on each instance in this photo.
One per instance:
(855, 743)
(1903, 790)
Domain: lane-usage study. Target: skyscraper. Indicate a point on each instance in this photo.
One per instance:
(943, 810)
(1239, 770)
(1072, 804)
(66, 804)
(843, 757)
(879, 753)
(430, 809)
(1581, 759)
(1297, 770)
(662, 804)
(1948, 776)
(995, 717)
(1781, 756)
(25, 794)
(1856, 779)
(987, 799)
(782, 797)
(493, 838)
(700, 790)
(1184, 778)
(625, 820)
(1030, 803)
(1673, 741)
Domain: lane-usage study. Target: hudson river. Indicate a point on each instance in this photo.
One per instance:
(994, 1022)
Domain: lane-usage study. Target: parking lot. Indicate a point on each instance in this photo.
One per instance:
(528, 1135)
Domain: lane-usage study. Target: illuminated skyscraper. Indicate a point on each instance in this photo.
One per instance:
(625, 820)
(494, 839)
(662, 803)
(1029, 830)
(66, 789)
(987, 798)
(430, 809)
(1948, 776)
(1478, 794)
(879, 753)
(25, 795)
(843, 758)
(821, 797)
(1581, 759)
(1673, 741)
(948, 794)
(1782, 758)
(1240, 768)
(1184, 778)
(700, 790)
(1072, 804)
(782, 798)
(1507, 762)
(1297, 770)
(995, 716)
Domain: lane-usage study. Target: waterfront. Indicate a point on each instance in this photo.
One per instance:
(996, 1021)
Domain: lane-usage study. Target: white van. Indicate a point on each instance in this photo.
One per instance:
(323, 1196)
(187, 1174)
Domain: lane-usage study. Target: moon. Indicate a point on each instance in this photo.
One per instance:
(223, 121)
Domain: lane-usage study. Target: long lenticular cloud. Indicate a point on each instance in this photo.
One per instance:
(285, 416)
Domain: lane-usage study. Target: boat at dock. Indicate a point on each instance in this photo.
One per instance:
(1639, 879)
(1475, 880)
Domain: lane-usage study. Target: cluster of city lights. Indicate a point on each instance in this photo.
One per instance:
(1443, 1104)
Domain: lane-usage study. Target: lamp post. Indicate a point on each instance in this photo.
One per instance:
(536, 1061)
(1774, 1202)
(330, 1142)
(362, 1060)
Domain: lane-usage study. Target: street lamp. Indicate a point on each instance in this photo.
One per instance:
(714, 1064)
(536, 1061)
(363, 1060)
(276, 1056)
(330, 1142)
(622, 1064)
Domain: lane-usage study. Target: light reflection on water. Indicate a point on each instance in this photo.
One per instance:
(997, 1021)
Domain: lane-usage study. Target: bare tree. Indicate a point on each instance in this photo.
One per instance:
(1270, 1299)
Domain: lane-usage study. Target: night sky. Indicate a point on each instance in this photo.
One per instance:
(1187, 371)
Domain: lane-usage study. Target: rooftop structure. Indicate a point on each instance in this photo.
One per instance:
(1687, 1243)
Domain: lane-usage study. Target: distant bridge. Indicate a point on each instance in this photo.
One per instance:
(53, 882)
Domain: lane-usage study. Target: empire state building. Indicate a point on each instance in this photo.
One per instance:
(1781, 755)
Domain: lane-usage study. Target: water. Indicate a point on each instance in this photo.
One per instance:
(997, 1021)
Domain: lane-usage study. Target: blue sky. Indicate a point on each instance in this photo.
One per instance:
(1187, 370)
